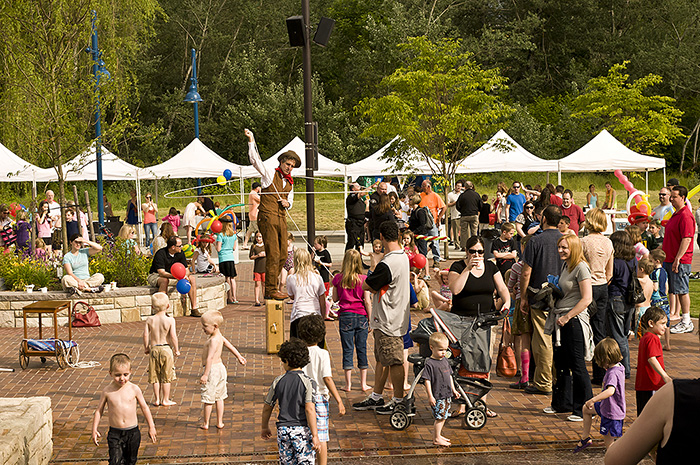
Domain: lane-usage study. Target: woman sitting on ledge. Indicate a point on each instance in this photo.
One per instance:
(75, 263)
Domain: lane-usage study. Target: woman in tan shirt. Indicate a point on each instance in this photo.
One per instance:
(598, 251)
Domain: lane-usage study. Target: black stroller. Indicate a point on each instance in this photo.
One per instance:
(470, 340)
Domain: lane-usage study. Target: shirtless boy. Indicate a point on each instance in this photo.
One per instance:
(159, 340)
(214, 378)
(121, 397)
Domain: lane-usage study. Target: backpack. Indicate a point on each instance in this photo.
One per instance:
(635, 293)
(429, 221)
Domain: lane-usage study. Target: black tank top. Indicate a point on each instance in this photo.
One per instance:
(686, 411)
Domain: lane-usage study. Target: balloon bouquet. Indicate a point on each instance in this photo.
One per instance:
(641, 210)
(214, 225)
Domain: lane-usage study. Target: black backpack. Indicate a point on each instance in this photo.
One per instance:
(635, 293)
(429, 221)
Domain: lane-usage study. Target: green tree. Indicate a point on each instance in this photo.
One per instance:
(46, 105)
(642, 122)
(442, 103)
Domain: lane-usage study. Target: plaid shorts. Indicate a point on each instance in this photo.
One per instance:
(295, 445)
(441, 411)
(322, 406)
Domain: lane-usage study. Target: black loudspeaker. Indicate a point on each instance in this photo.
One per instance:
(295, 30)
(323, 31)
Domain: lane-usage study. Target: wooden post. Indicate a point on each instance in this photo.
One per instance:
(32, 220)
(89, 214)
(77, 210)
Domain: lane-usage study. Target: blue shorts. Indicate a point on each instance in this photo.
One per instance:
(441, 411)
(407, 341)
(321, 404)
(295, 445)
(608, 427)
(678, 282)
(663, 305)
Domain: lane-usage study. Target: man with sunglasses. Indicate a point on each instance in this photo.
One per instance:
(160, 276)
(665, 206)
(515, 202)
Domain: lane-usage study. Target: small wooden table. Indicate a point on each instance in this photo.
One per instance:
(48, 306)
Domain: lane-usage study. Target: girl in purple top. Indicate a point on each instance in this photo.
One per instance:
(353, 315)
(610, 403)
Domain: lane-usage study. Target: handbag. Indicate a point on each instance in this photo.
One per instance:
(506, 365)
(635, 293)
(84, 315)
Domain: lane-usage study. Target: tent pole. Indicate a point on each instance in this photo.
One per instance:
(345, 196)
(242, 187)
(138, 210)
(646, 173)
(664, 175)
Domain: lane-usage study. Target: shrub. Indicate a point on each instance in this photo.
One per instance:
(118, 262)
(21, 271)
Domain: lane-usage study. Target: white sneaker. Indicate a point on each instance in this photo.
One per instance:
(549, 410)
(574, 418)
(682, 327)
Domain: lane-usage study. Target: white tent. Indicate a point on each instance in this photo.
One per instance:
(605, 153)
(13, 168)
(326, 166)
(374, 164)
(194, 161)
(502, 153)
(84, 168)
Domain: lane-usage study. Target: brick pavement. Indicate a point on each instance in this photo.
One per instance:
(74, 392)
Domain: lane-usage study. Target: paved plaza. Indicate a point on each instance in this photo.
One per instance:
(521, 432)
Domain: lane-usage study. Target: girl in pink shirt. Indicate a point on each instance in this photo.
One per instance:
(173, 218)
(353, 315)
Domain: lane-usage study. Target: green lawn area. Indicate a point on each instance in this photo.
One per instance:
(695, 298)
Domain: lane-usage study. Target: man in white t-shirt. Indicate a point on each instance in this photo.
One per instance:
(454, 223)
(54, 210)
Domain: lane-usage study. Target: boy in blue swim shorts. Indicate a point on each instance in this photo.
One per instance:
(439, 385)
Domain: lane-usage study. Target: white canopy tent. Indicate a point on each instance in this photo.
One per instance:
(605, 153)
(13, 168)
(84, 168)
(375, 165)
(502, 153)
(194, 161)
(326, 166)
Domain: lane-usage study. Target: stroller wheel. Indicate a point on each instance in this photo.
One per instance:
(480, 404)
(400, 420)
(475, 418)
(23, 359)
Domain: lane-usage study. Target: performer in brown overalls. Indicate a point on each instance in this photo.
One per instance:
(277, 197)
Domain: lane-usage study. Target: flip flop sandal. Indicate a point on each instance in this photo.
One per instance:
(583, 443)
(491, 414)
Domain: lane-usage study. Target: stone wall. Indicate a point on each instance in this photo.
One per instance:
(116, 306)
(25, 430)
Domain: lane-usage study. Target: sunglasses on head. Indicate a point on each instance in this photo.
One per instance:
(476, 251)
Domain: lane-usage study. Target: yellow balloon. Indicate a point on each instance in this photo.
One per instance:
(221, 180)
(693, 191)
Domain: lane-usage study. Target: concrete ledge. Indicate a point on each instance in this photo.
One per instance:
(116, 306)
(26, 428)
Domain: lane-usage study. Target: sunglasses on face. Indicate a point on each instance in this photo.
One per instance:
(476, 251)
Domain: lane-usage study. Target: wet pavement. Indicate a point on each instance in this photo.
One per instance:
(521, 433)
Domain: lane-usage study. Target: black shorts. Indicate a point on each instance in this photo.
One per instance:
(228, 269)
(123, 445)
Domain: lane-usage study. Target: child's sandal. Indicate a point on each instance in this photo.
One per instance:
(583, 443)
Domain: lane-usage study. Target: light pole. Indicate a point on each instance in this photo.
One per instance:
(194, 97)
(98, 69)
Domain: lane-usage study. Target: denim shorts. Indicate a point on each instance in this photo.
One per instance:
(678, 282)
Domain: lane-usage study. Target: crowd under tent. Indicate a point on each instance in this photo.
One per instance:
(605, 153)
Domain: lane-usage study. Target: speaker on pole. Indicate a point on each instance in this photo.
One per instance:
(296, 31)
(323, 31)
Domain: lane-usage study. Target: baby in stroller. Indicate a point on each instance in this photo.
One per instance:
(467, 390)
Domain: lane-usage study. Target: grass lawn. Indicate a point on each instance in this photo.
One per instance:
(694, 297)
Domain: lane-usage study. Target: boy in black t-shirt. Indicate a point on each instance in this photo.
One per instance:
(297, 436)
(439, 385)
(505, 248)
(323, 263)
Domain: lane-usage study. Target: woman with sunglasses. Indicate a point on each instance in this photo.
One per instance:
(568, 323)
(525, 219)
(473, 282)
(150, 221)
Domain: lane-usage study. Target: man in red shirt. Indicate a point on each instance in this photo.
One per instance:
(678, 245)
(573, 211)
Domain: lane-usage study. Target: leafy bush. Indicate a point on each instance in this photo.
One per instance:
(18, 271)
(118, 262)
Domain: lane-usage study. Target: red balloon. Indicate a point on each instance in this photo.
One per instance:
(419, 261)
(178, 270)
(216, 226)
